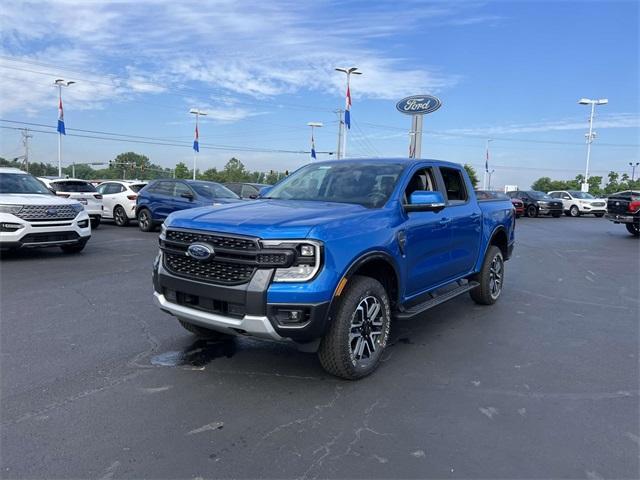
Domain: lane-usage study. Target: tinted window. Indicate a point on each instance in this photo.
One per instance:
(72, 186)
(582, 195)
(181, 189)
(163, 188)
(343, 182)
(21, 183)
(212, 190)
(539, 195)
(111, 188)
(454, 185)
(234, 187)
(136, 187)
(248, 190)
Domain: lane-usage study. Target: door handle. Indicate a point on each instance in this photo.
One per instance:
(445, 221)
(475, 215)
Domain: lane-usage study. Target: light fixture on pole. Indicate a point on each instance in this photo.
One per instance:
(313, 143)
(61, 82)
(590, 136)
(347, 109)
(633, 170)
(196, 140)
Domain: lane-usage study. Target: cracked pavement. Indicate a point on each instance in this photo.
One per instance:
(542, 384)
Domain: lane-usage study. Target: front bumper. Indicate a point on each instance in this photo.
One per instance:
(238, 309)
(44, 234)
(617, 218)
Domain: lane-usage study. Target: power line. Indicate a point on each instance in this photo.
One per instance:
(507, 139)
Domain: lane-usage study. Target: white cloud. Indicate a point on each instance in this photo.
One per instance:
(223, 47)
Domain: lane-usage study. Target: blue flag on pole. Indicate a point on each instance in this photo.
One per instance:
(60, 118)
(196, 146)
(347, 109)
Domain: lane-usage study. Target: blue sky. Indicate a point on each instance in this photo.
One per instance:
(509, 71)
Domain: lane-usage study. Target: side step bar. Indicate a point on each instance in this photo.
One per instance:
(436, 299)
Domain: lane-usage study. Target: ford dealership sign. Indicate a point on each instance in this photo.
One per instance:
(418, 105)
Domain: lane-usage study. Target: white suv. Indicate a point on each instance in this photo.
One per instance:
(119, 200)
(576, 203)
(31, 216)
(79, 190)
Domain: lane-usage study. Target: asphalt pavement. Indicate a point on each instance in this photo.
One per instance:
(96, 382)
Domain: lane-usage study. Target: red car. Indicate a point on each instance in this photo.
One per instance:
(519, 206)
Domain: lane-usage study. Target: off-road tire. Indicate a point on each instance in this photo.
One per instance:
(484, 293)
(336, 348)
(203, 332)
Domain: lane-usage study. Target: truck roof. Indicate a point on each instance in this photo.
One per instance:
(408, 161)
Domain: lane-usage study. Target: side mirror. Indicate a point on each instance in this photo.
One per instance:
(423, 201)
(263, 192)
(187, 195)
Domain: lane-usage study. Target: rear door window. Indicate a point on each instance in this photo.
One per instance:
(180, 189)
(454, 185)
(73, 187)
(163, 188)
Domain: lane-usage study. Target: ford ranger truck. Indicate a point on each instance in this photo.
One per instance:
(333, 254)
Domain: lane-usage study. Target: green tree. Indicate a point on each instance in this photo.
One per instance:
(182, 171)
(473, 176)
(235, 171)
(211, 175)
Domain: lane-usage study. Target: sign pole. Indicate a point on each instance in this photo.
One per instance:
(417, 106)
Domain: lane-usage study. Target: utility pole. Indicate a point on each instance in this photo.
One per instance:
(486, 167)
(25, 141)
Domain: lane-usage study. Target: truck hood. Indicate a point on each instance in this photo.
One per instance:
(267, 219)
(34, 199)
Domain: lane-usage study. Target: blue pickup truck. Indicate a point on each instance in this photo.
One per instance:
(328, 257)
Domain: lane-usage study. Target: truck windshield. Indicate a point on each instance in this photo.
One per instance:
(21, 183)
(539, 195)
(366, 184)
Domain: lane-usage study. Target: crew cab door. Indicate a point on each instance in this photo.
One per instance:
(465, 220)
(427, 238)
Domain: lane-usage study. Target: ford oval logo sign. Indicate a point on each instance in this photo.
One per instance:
(418, 105)
(200, 251)
(52, 212)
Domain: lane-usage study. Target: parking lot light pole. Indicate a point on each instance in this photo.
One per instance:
(347, 110)
(61, 82)
(633, 170)
(590, 135)
(196, 141)
(314, 125)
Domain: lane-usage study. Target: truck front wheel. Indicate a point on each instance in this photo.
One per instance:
(633, 229)
(359, 330)
(491, 278)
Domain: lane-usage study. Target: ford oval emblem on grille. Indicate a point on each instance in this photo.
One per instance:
(52, 212)
(200, 251)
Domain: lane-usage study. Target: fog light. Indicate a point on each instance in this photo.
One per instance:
(10, 227)
(289, 316)
(83, 223)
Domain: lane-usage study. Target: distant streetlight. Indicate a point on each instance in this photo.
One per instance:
(61, 82)
(342, 132)
(591, 135)
(196, 140)
(633, 169)
(313, 143)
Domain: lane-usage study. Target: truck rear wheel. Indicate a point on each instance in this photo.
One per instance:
(633, 229)
(359, 330)
(491, 278)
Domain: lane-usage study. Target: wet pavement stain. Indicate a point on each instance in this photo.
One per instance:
(198, 354)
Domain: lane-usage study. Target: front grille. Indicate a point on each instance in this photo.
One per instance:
(47, 212)
(598, 204)
(221, 241)
(46, 237)
(215, 272)
(206, 304)
(618, 205)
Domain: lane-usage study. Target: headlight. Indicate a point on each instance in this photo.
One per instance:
(13, 209)
(307, 261)
(163, 230)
